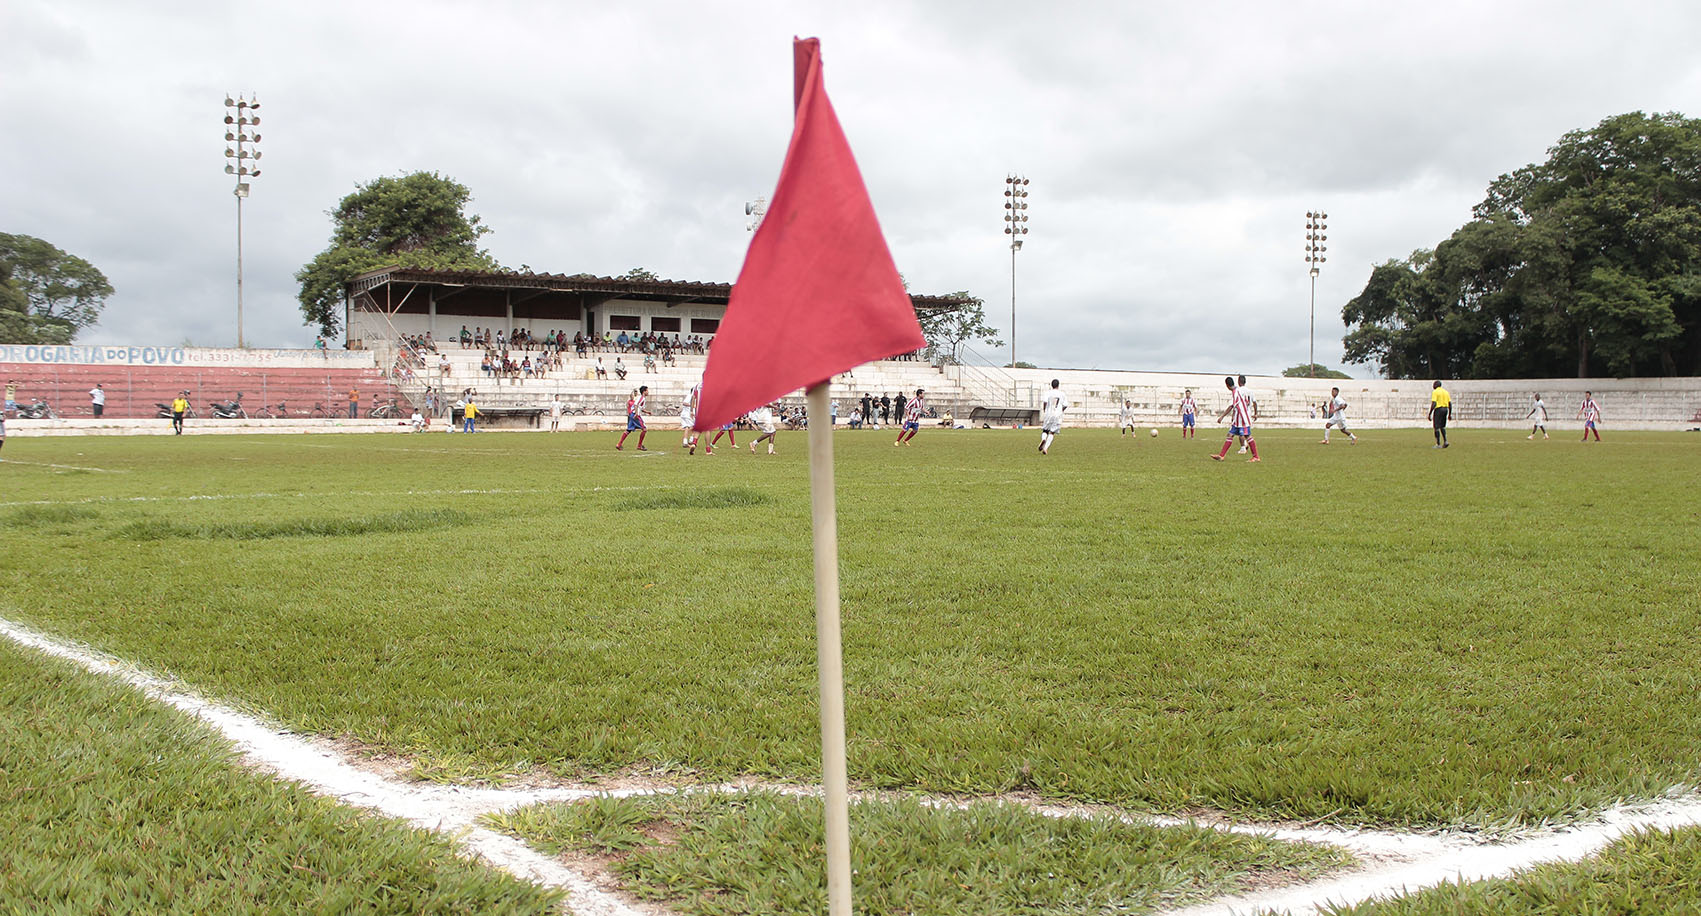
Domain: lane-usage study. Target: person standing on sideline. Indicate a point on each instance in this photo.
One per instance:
(1335, 415)
(912, 417)
(179, 407)
(1591, 414)
(555, 414)
(867, 408)
(1440, 404)
(688, 418)
(469, 414)
(635, 418)
(353, 402)
(1537, 417)
(835, 413)
(12, 394)
(1189, 413)
(885, 409)
(97, 399)
(1125, 418)
(763, 419)
(2, 430)
(1051, 416)
(1240, 424)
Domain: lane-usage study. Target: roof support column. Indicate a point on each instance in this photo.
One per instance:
(431, 309)
(508, 303)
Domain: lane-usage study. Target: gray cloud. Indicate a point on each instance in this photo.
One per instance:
(1173, 149)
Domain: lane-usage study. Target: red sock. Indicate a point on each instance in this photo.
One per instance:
(641, 433)
(1226, 443)
(623, 438)
(1252, 446)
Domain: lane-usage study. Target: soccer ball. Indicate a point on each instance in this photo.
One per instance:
(1154, 433)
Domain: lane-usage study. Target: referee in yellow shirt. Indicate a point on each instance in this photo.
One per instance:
(1440, 404)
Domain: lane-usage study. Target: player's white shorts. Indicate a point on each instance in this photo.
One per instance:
(1051, 426)
(686, 420)
(1339, 423)
(766, 428)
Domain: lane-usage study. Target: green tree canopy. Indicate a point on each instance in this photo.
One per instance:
(1319, 370)
(948, 330)
(1587, 263)
(416, 220)
(46, 295)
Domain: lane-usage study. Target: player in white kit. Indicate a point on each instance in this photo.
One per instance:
(1537, 417)
(763, 419)
(1051, 416)
(1125, 419)
(688, 418)
(1335, 416)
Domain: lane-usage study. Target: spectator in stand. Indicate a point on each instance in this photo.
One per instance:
(649, 361)
(601, 372)
(667, 356)
(97, 399)
(353, 402)
(466, 337)
(319, 344)
(619, 368)
(579, 344)
(526, 367)
(429, 343)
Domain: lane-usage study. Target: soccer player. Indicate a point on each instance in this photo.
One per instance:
(763, 419)
(727, 430)
(635, 418)
(1335, 415)
(688, 418)
(1189, 411)
(1537, 417)
(1591, 414)
(912, 418)
(1125, 418)
(1251, 408)
(1051, 416)
(1440, 403)
(1240, 425)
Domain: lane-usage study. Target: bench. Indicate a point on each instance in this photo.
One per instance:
(505, 416)
(1004, 416)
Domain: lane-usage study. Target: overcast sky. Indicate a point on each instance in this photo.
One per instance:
(1172, 148)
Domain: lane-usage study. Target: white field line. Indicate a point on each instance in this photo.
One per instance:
(198, 497)
(1398, 861)
(68, 467)
(449, 810)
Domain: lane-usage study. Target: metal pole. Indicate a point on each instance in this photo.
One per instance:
(239, 268)
(1311, 367)
(1012, 304)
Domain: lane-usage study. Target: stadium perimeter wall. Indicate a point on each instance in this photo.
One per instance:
(137, 379)
(1632, 403)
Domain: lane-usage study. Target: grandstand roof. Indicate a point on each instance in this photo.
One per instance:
(482, 291)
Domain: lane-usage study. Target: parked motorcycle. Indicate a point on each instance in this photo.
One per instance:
(36, 411)
(164, 412)
(229, 410)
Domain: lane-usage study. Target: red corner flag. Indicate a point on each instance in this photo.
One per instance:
(819, 293)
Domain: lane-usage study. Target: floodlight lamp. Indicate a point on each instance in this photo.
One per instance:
(229, 153)
(255, 173)
(229, 169)
(228, 102)
(1007, 230)
(254, 121)
(258, 154)
(254, 103)
(255, 138)
(229, 120)
(228, 136)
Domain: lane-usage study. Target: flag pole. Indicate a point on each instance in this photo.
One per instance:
(829, 661)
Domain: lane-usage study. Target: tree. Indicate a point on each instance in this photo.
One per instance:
(416, 220)
(639, 273)
(46, 295)
(947, 330)
(1319, 370)
(1588, 261)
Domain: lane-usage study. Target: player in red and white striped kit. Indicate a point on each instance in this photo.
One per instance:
(1591, 414)
(1189, 410)
(1241, 425)
(912, 418)
(635, 418)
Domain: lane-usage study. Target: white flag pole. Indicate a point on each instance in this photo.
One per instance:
(828, 653)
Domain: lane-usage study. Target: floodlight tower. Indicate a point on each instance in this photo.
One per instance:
(243, 138)
(1314, 248)
(754, 211)
(1015, 226)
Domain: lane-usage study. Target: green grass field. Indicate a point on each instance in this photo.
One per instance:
(1496, 634)
(113, 804)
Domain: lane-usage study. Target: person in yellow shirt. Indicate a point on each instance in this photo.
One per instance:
(1440, 404)
(471, 413)
(179, 407)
